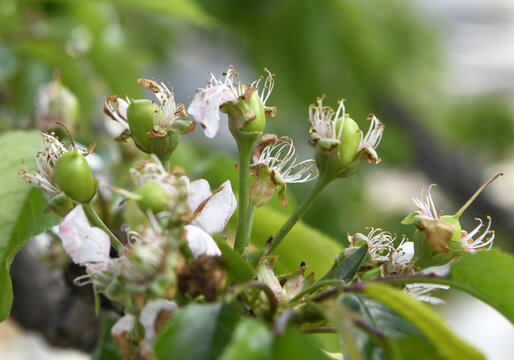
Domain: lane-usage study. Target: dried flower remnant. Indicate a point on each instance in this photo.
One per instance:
(167, 112)
(275, 165)
(371, 140)
(380, 244)
(444, 233)
(325, 121)
(340, 141)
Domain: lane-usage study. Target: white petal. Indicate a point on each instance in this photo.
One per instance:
(124, 324)
(151, 311)
(200, 242)
(81, 241)
(205, 107)
(407, 252)
(216, 212)
(200, 191)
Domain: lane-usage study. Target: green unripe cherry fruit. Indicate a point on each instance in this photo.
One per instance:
(257, 124)
(350, 141)
(152, 197)
(73, 176)
(140, 116)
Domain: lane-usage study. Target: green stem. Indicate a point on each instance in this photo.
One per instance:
(322, 182)
(96, 221)
(244, 147)
(471, 199)
(308, 290)
(272, 300)
(248, 229)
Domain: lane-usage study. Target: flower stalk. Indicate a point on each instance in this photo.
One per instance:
(307, 202)
(96, 221)
(244, 146)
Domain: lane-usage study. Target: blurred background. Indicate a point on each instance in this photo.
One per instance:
(439, 74)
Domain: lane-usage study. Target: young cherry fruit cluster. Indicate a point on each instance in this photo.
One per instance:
(175, 259)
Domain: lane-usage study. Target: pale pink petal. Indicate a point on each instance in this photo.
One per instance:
(216, 212)
(205, 107)
(200, 242)
(81, 241)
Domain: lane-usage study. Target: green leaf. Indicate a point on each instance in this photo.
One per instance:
(197, 332)
(238, 268)
(302, 243)
(345, 269)
(490, 274)
(425, 319)
(402, 336)
(252, 340)
(422, 251)
(294, 345)
(21, 206)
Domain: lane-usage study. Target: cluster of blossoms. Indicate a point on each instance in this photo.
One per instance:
(174, 251)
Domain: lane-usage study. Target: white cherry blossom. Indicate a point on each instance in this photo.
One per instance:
(211, 212)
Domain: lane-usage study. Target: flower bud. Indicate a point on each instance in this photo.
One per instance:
(140, 117)
(74, 177)
(56, 103)
(152, 197)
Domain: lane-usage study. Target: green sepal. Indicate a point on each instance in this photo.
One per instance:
(181, 126)
(164, 146)
(409, 219)
(60, 204)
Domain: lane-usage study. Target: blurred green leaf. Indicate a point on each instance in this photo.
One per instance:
(252, 340)
(489, 273)
(21, 206)
(106, 349)
(239, 269)
(294, 345)
(425, 319)
(197, 332)
(302, 243)
(402, 336)
(182, 9)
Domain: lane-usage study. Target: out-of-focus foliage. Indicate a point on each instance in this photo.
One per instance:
(21, 207)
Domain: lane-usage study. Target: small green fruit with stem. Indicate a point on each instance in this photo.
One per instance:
(74, 176)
